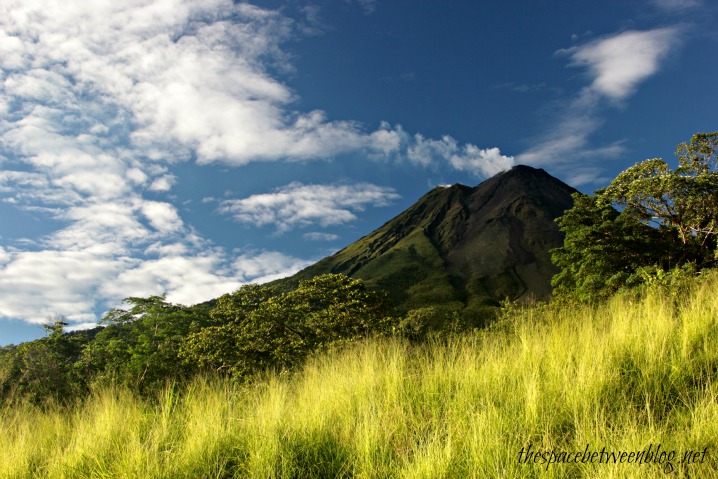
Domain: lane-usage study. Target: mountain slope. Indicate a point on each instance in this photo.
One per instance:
(462, 248)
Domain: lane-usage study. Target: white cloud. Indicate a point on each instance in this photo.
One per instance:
(100, 99)
(297, 204)
(94, 95)
(137, 176)
(267, 266)
(103, 229)
(187, 279)
(469, 158)
(11, 181)
(317, 236)
(166, 79)
(162, 216)
(616, 65)
(388, 141)
(163, 183)
(620, 62)
(424, 151)
(480, 162)
(37, 284)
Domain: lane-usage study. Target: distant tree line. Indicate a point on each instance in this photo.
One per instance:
(151, 342)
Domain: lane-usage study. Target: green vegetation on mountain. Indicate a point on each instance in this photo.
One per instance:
(461, 249)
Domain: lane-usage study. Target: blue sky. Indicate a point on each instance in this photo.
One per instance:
(192, 146)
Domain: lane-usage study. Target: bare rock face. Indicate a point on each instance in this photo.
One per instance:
(461, 248)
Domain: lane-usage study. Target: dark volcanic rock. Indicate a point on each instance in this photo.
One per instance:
(463, 248)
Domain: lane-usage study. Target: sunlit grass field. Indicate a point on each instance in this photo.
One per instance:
(627, 376)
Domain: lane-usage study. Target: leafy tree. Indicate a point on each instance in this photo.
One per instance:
(42, 370)
(256, 329)
(8, 369)
(668, 218)
(417, 323)
(681, 202)
(223, 346)
(139, 346)
(602, 250)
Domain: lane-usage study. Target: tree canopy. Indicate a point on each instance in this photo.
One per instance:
(152, 342)
(650, 216)
(255, 329)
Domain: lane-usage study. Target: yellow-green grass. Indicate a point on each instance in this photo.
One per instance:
(628, 375)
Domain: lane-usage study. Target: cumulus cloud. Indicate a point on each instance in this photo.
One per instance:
(163, 183)
(187, 278)
(100, 100)
(267, 266)
(171, 78)
(162, 216)
(616, 65)
(35, 285)
(393, 142)
(168, 80)
(469, 158)
(297, 204)
(96, 97)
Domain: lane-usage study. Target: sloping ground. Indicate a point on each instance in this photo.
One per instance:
(462, 248)
(638, 375)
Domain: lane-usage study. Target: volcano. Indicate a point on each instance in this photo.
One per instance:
(462, 248)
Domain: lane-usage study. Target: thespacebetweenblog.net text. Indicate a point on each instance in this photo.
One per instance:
(667, 459)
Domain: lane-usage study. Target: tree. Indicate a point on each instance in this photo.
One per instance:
(649, 216)
(42, 370)
(223, 346)
(139, 346)
(256, 329)
(603, 250)
(681, 202)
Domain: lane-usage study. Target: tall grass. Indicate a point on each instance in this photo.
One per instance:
(636, 372)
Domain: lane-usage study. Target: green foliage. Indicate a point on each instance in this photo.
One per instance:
(429, 324)
(152, 342)
(682, 202)
(139, 346)
(255, 329)
(668, 218)
(603, 250)
(417, 323)
(225, 345)
(42, 370)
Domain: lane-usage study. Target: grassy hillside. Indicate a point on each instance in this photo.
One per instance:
(629, 375)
